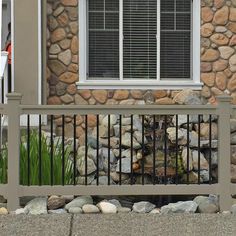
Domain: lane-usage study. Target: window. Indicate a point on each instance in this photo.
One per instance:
(128, 42)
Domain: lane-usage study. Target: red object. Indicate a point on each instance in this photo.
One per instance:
(8, 49)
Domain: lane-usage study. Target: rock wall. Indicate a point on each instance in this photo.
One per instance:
(218, 64)
(218, 59)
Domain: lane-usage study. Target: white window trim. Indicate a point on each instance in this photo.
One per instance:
(85, 83)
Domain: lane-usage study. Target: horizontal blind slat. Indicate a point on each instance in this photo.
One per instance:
(139, 45)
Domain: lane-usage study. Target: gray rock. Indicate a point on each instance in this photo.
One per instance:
(203, 162)
(172, 134)
(182, 119)
(126, 141)
(92, 142)
(207, 204)
(116, 176)
(113, 120)
(204, 174)
(54, 49)
(214, 157)
(138, 136)
(21, 211)
(187, 159)
(79, 202)
(91, 167)
(125, 165)
(75, 210)
(104, 153)
(143, 207)
(81, 180)
(137, 123)
(90, 209)
(37, 206)
(180, 207)
(115, 202)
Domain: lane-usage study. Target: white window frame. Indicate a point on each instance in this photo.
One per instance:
(85, 83)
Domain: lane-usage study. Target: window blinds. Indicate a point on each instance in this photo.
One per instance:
(103, 38)
(139, 44)
(140, 24)
(175, 50)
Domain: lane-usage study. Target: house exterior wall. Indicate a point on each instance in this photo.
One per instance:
(218, 58)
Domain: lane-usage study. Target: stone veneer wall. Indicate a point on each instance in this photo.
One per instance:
(218, 64)
(218, 58)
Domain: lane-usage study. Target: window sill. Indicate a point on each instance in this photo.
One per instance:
(140, 85)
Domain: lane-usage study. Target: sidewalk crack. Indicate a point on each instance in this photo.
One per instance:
(71, 224)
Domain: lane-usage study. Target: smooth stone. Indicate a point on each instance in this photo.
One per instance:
(107, 207)
(79, 202)
(207, 204)
(143, 207)
(125, 165)
(203, 162)
(115, 202)
(21, 211)
(89, 208)
(37, 206)
(204, 174)
(180, 207)
(75, 210)
(3, 211)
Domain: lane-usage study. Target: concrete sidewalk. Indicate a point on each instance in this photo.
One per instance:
(118, 225)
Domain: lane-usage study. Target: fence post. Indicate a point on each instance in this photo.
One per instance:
(13, 113)
(224, 175)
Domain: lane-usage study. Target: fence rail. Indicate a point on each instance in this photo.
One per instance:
(222, 187)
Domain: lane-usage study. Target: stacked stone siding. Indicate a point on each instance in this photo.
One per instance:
(218, 66)
(218, 58)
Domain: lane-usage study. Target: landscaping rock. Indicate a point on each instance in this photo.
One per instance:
(89, 208)
(3, 211)
(115, 202)
(155, 211)
(37, 206)
(21, 211)
(55, 202)
(125, 165)
(75, 210)
(207, 204)
(143, 207)
(180, 207)
(107, 208)
(79, 202)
